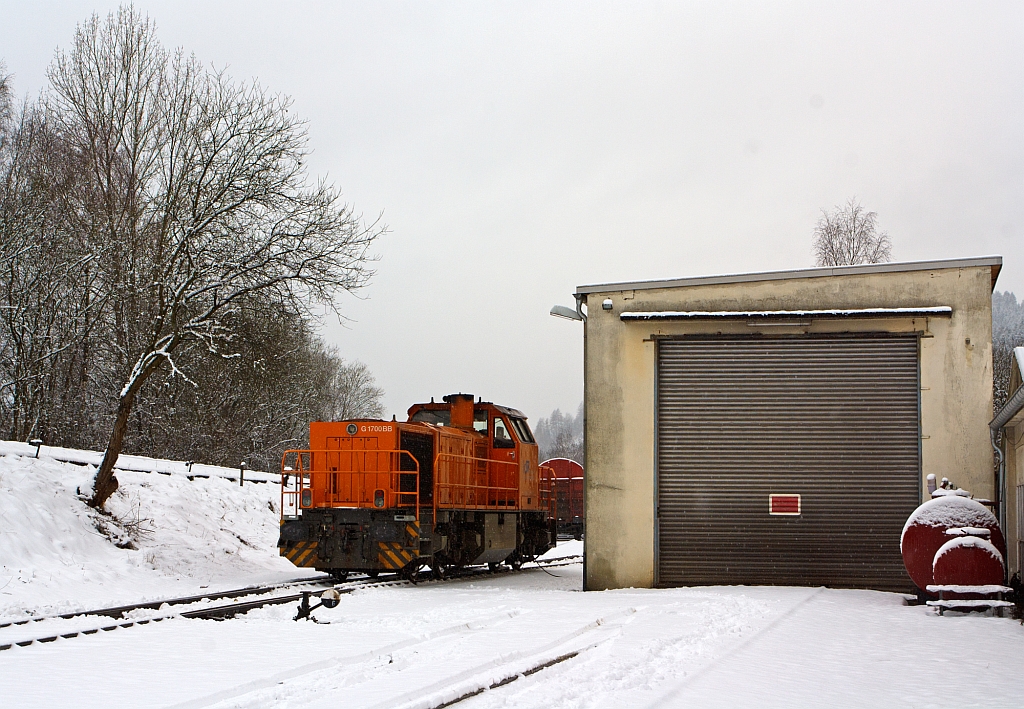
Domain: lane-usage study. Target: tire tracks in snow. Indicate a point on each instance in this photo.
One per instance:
(339, 661)
(679, 687)
(497, 671)
(509, 667)
(506, 668)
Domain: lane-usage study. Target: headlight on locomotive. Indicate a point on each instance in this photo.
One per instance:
(307, 498)
(378, 498)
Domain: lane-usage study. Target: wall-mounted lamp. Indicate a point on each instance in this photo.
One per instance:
(560, 311)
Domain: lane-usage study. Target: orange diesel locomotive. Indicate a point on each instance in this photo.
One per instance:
(456, 484)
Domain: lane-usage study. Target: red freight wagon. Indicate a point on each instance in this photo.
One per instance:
(568, 495)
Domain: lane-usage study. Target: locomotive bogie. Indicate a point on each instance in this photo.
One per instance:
(469, 538)
(353, 540)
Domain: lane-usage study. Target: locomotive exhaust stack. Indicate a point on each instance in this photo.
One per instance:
(462, 410)
(458, 483)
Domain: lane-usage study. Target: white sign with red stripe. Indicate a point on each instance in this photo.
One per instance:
(783, 504)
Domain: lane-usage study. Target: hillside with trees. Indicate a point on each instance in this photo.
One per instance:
(1007, 333)
(164, 258)
(561, 435)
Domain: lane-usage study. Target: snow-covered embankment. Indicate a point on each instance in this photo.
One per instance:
(164, 535)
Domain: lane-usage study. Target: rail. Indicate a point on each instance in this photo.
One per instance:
(349, 478)
(122, 613)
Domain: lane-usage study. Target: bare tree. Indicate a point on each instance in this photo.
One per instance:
(1007, 334)
(351, 391)
(255, 406)
(6, 100)
(42, 265)
(848, 235)
(197, 196)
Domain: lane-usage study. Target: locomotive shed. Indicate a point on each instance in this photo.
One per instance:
(777, 428)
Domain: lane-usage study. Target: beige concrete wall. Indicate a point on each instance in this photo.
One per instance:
(1014, 451)
(956, 387)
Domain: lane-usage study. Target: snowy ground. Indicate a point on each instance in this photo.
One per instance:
(422, 646)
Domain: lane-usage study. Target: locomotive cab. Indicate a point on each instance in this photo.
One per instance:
(456, 484)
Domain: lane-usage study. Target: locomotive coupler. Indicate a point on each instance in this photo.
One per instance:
(328, 599)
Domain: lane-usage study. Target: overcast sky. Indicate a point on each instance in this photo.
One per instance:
(518, 150)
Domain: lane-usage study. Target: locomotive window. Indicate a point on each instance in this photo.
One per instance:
(480, 421)
(442, 417)
(522, 430)
(501, 437)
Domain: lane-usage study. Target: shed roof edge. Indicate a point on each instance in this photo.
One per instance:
(993, 262)
(859, 313)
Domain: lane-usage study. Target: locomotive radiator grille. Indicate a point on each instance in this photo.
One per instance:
(301, 554)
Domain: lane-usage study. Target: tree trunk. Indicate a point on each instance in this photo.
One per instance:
(105, 484)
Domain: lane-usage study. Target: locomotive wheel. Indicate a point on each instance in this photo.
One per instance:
(338, 575)
(492, 566)
(411, 572)
(373, 574)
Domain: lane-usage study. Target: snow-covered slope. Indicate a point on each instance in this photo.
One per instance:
(165, 535)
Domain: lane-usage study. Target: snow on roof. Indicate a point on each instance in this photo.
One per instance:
(934, 311)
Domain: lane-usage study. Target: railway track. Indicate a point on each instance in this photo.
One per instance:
(489, 667)
(120, 611)
(224, 612)
(496, 673)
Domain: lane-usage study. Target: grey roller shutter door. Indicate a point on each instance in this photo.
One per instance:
(832, 419)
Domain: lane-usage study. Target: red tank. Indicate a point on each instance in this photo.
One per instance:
(968, 561)
(946, 524)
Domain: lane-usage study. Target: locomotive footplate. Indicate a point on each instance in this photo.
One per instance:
(342, 539)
